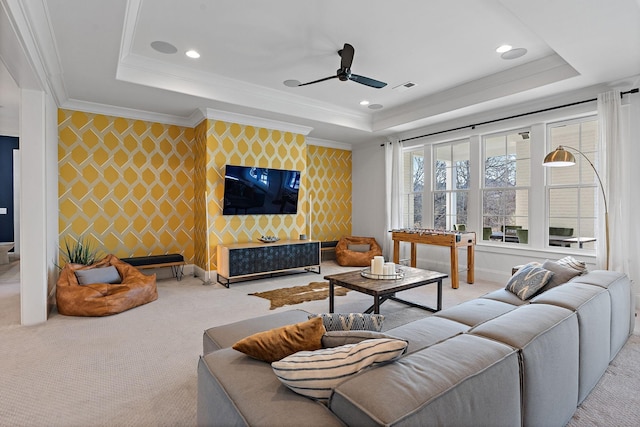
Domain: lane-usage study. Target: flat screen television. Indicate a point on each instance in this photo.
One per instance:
(254, 191)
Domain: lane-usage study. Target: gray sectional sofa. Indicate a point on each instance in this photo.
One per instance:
(492, 361)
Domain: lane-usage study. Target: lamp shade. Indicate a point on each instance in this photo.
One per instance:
(559, 158)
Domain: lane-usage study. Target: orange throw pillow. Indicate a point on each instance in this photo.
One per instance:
(278, 343)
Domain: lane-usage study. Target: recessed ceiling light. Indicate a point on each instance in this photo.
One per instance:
(163, 47)
(192, 54)
(375, 106)
(291, 83)
(504, 48)
(514, 53)
(364, 102)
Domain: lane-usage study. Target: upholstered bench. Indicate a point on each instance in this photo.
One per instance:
(175, 261)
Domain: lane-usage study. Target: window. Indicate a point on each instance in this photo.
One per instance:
(414, 185)
(450, 185)
(505, 187)
(572, 192)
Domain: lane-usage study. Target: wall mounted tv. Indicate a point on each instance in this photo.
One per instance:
(254, 191)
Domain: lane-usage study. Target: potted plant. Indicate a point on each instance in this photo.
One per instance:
(79, 251)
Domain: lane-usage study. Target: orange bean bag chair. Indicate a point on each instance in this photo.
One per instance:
(103, 299)
(351, 251)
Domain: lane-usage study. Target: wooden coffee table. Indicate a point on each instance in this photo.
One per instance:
(382, 290)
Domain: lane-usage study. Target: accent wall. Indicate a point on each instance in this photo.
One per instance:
(142, 188)
(236, 144)
(126, 184)
(329, 179)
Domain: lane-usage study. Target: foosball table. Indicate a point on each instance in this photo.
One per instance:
(452, 239)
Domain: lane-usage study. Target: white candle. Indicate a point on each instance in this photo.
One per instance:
(378, 265)
(391, 267)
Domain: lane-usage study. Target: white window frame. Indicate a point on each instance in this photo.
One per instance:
(506, 238)
(592, 186)
(450, 192)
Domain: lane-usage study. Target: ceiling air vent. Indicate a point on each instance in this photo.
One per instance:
(405, 86)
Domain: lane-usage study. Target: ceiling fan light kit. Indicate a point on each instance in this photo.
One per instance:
(344, 72)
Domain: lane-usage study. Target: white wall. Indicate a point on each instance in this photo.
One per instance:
(33, 263)
(368, 187)
(38, 133)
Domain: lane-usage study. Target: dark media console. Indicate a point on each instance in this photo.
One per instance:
(251, 260)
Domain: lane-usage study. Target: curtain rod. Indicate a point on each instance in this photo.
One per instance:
(635, 90)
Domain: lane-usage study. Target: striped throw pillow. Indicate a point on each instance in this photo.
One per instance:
(351, 321)
(316, 373)
(571, 262)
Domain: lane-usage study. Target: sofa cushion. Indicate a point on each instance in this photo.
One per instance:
(98, 275)
(504, 295)
(236, 390)
(425, 332)
(350, 321)
(316, 373)
(546, 337)
(528, 280)
(338, 338)
(277, 343)
(592, 304)
(475, 311)
(622, 303)
(445, 384)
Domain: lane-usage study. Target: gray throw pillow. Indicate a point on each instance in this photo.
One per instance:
(351, 321)
(528, 280)
(359, 248)
(561, 274)
(338, 338)
(98, 275)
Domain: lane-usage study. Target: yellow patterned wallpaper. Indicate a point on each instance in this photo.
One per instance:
(140, 188)
(232, 143)
(128, 184)
(329, 172)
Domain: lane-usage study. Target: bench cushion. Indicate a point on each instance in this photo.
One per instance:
(153, 259)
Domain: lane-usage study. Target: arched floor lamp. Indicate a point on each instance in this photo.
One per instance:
(561, 158)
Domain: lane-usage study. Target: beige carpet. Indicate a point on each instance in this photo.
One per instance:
(314, 291)
(138, 368)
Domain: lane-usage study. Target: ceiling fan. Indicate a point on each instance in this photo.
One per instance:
(344, 73)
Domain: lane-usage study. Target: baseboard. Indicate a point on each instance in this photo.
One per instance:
(201, 273)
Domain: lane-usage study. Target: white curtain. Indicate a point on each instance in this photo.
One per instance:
(393, 166)
(614, 168)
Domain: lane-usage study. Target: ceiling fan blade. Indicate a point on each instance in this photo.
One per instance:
(318, 81)
(367, 81)
(346, 54)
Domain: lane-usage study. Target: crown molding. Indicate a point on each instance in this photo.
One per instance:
(128, 113)
(245, 119)
(329, 144)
